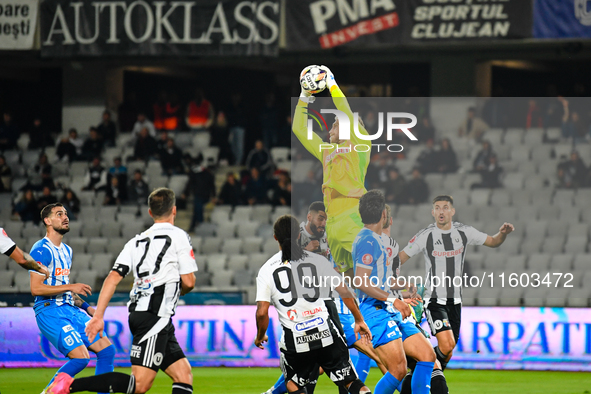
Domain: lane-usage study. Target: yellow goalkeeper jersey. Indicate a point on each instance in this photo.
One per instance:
(344, 168)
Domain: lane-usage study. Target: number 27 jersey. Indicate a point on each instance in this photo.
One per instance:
(157, 257)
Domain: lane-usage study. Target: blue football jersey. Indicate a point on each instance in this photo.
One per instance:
(369, 252)
(58, 261)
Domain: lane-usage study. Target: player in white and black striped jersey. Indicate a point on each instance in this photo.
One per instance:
(313, 230)
(310, 338)
(444, 246)
(163, 264)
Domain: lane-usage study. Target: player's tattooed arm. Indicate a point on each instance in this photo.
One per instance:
(27, 262)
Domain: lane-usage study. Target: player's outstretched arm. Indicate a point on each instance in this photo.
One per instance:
(96, 324)
(300, 129)
(497, 240)
(262, 317)
(27, 262)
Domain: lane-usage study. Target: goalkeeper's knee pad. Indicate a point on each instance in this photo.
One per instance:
(358, 387)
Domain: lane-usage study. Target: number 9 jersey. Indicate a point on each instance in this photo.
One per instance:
(297, 289)
(157, 257)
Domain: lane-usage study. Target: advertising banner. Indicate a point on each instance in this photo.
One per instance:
(18, 22)
(324, 24)
(160, 28)
(491, 338)
(562, 19)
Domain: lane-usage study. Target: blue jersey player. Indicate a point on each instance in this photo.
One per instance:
(58, 318)
(373, 279)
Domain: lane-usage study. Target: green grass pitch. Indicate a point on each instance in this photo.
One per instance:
(257, 380)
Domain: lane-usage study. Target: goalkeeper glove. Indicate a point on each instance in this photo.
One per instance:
(330, 81)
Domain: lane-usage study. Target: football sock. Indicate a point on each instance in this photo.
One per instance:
(104, 360)
(421, 378)
(279, 387)
(405, 386)
(112, 382)
(387, 384)
(441, 357)
(182, 388)
(362, 366)
(438, 382)
(72, 367)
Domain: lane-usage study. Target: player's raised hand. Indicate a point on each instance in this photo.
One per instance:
(413, 301)
(81, 288)
(506, 228)
(95, 326)
(259, 342)
(362, 332)
(43, 270)
(312, 246)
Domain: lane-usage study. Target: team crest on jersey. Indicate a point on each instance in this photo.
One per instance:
(292, 314)
(412, 239)
(367, 259)
(397, 271)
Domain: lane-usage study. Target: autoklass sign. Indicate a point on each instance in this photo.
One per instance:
(174, 28)
(18, 21)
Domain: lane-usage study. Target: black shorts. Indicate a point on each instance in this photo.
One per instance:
(157, 351)
(302, 368)
(444, 318)
(334, 315)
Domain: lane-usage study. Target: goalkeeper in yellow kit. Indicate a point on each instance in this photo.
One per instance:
(344, 171)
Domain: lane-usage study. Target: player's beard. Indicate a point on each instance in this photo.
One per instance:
(316, 231)
(62, 230)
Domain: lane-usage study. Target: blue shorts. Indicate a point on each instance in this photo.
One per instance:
(64, 327)
(387, 326)
(348, 323)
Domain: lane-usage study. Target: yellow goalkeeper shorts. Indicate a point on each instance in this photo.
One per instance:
(341, 231)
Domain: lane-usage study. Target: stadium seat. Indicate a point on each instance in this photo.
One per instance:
(578, 229)
(561, 262)
(232, 246)
(557, 228)
(82, 261)
(479, 197)
(78, 169)
(242, 213)
(464, 214)
(6, 278)
(435, 181)
(494, 136)
(541, 153)
(78, 245)
(261, 213)
(513, 181)
(103, 262)
(270, 247)
(562, 150)
(201, 140)
(548, 167)
(516, 262)
(177, 183)
(533, 136)
(226, 229)
(108, 213)
(538, 262)
(535, 182)
(210, 155)
(131, 229)
(110, 229)
(75, 229)
(511, 296)
(91, 230)
(256, 261)
(405, 212)
(237, 262)
(520, 198)
(279, 154)
(97, 245)
(582, 262)
(582, 197)
(247, 228)
(32, 231)
(578, 298)
(211, 245)
(205, 229)
(115, 245)
(220, 278)
(535, 296)
(513, 136)
(89, 213)
(531, 245)
(488, 296)
(487, 214)
(512, 244)
(576, 244)
(520, 153)
(219, 216)
(252, 245)
(280, 211)
(201, 264)
(557, 297)
(553, 134)
(216, 262)
(22, 280)
(553, 245)
(469, 296)
(541, 197)
(563, 197)
(528, 168)
(500, 198)
(243, 278)
(494, 261)
(87, 277)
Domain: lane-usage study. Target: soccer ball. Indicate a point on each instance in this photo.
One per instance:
(313, 79)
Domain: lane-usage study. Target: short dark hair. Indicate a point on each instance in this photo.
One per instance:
(46, 211)
(161, 201)
(444, 197)
(317, 206)
(371, 206)
(388, 216)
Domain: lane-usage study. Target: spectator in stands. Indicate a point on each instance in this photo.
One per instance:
(200, 112)
(482, 159)
(572, 173)
(447, 161)
(417, 189)
(230, 192)
(5, 175)
(256, 188)
(9, 133)
(26, 207)
(424, 130)
(127, 112)
(202, 186)
(93, 146)
(96, 176)
(171, 159)
(220, 135)
(118, 168)
(534, 116)
(490, 175)
(70, 148)
(119, 171)
(260, 158)
(39, 176)
(269, 118)
(395, 187)
(473, 126)
(145, 146)
(39, 136)
(572, 124)
(45, 199)
(236, 115)
(71, 203)
(142, 121)
(138, 190)
(107, 129)
(281, 192)
(428, 158)
(114, 193)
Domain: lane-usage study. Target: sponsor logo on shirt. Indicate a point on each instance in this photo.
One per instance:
(292, 314)
(136, 351)
(309, 324)
(312, 312)
(62, 272)
(312, 337)
(341, 374)
(447, 253)
(367, 259)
